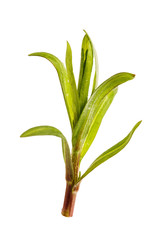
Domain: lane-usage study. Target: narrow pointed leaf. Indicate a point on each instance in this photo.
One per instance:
(85, 71)
(95, 80)
(95, 123)
(69, 68)
(68, 88)
(110, 152)
(48, 130)
(94, 111)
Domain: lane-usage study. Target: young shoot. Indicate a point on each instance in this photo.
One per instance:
(85, 115)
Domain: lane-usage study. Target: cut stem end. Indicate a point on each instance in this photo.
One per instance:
(69, 200)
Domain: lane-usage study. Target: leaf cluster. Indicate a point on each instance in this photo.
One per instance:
(85, 112)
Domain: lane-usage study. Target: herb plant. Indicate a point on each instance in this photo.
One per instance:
(85, 115)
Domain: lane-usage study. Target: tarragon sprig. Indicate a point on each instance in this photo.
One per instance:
(85, 114)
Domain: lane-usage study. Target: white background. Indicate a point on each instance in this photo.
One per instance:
(120, 199)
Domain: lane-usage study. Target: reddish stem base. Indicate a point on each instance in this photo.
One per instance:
(69, 200)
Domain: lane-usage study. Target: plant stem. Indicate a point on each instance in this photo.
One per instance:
(69, 199)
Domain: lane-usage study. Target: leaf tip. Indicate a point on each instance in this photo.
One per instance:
(22, 135)
(31, 54)
(86, 35)
(36, 54)
(84, 31)
(133, 75)
(137, 124)
(68, 45)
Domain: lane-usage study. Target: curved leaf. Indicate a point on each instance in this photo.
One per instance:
(67, 85)
(85, 71)
(48, 130)
(110, 152)
(95, 80)
(95, 124)
(93, 113)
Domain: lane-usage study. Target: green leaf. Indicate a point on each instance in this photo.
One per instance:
(110, 152)
(69, 67)
(48, 130)
(94, 111)
(96, 121)
(67, 85)
(85, 71)
(95, 81)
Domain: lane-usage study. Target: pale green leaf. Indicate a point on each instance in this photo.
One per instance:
(110, 152)
(85, 71)
(93, 113)
(68, 87)
(48, 130)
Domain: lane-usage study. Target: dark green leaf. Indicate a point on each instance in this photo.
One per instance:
(68, 87)
(48, 130)
(110, 152)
